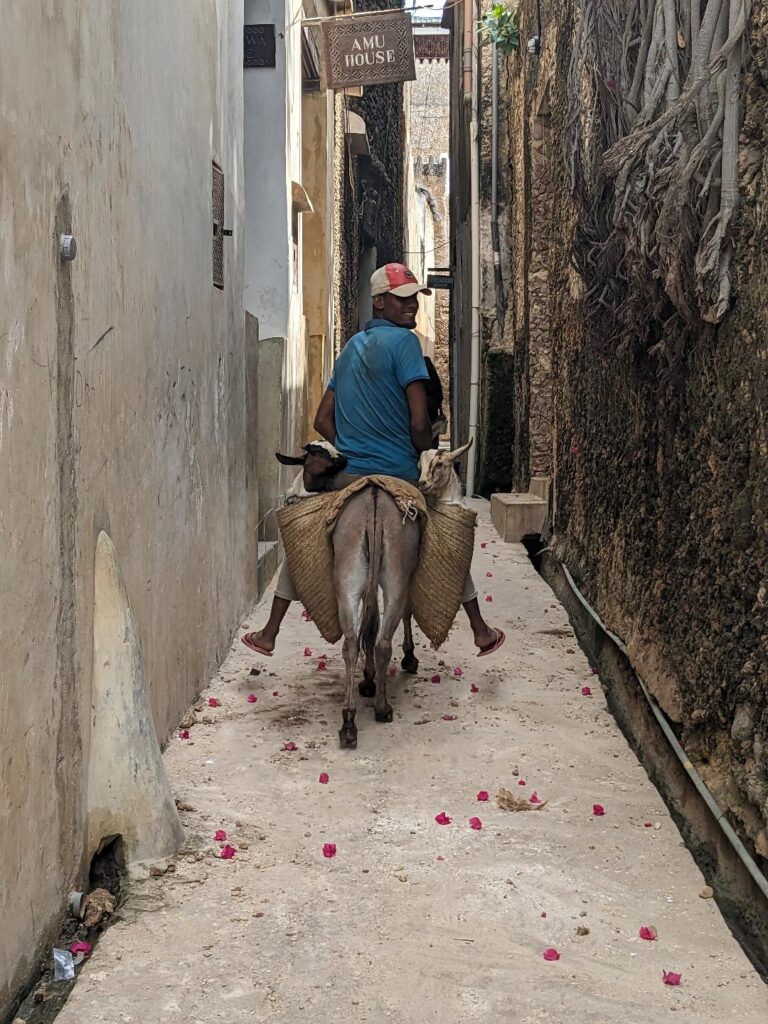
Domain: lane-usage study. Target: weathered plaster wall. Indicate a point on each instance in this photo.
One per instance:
(122, 396)
(661, 484)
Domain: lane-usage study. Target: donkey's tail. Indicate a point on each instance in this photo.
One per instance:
(369, 623)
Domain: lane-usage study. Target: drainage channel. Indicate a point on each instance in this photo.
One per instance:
(87, 919)
(730, 870)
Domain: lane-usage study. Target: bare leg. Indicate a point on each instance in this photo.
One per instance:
(410, 662)
(265, 638)
(483, 634)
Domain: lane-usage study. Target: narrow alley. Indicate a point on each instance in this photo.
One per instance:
(322, 320)
(410, 920)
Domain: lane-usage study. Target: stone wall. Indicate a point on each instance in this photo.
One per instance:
(660, 481)
(122, 399)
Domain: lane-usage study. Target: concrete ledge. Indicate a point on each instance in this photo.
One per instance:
(268, 550)
(517, 515)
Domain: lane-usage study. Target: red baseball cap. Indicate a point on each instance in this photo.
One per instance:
(398, 279)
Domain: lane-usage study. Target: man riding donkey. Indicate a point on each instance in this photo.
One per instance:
(375, 413)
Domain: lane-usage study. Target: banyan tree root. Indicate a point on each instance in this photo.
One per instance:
(656, 171)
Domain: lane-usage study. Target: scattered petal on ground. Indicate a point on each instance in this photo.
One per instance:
(474, 689)
(321, 665)
(648, 824)
(307, 652)
(184, 734)
(227, 852)
(252, 698)
(551, 954)
(476, 824)
(324, 778)
(489, 598)
(648, 932)
(214, 702)
(598, 810)
(275, 693)
(534, 798)
(220, 835)
(435, 678)
(306, 616)
(482, 796)
(329, 850)
(443, 819)
(671, 978)
(484, 544)
(586, 691)
(543, 913)
(392, 671)
(593, 670)
(458, 671)
(522, 782)
(290, 745)
(440, 858)
(80, 947)
(449, 718)
(489, 575)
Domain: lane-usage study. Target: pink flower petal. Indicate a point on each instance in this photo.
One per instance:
(227, 852)
(214, 702)
(482, 796)
(476, 824)
(598, 810)
(474, 689)
(322, 665)
(458, 671)
(275, 693)
(220, 835)
(80, 947)
(184, 734)
(575, 449)
(648, 824)
(290, 745)
(484, 544)
(543, 913)
(522, 782)
(435, 678)
(329, 850)
(440, 858)
(443, 819)
(586, 691)
(648, 932)
(306, 616)
(449, 718)
(489, 598)
(671, 978)
(252, 698)
(551, 954)
(324, 778)
(593, 670)
(489, 575)
(307, 652)
(534, 798)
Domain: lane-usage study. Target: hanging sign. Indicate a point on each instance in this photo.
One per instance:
(368, 50)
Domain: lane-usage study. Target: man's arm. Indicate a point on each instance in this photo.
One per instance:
(421, 428)
(325, 420)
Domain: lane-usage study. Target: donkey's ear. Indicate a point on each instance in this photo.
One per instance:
(290, 460)
(454, 455)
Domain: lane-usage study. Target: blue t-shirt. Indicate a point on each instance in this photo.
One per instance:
(373, 422)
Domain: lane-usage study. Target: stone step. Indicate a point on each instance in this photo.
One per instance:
(518, 515)
(539, 486)
(268, 557)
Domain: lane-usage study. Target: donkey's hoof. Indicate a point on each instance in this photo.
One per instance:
(348, 737)
(367, 688)
(385, 715)
(410, 664)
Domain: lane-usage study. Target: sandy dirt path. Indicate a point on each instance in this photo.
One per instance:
(413, 921)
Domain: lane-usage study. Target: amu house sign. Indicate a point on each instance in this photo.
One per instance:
(371, 50)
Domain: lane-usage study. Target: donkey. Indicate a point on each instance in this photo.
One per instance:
(373, 547)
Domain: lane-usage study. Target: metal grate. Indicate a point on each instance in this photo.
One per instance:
(217, 206)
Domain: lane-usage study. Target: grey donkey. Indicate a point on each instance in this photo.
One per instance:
(373, 547)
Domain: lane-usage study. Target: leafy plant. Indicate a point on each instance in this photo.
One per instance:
(501, 25)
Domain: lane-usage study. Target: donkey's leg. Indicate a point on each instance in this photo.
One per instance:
(354, 573)
(368, 686)
(410, 662)
(348, 730)
(395, 597)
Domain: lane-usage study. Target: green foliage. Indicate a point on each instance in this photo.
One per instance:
(501, 25)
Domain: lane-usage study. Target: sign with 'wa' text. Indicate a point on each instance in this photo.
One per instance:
(368, 50)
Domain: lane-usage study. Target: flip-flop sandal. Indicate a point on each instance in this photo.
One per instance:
(492, 648)
(254, 647)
